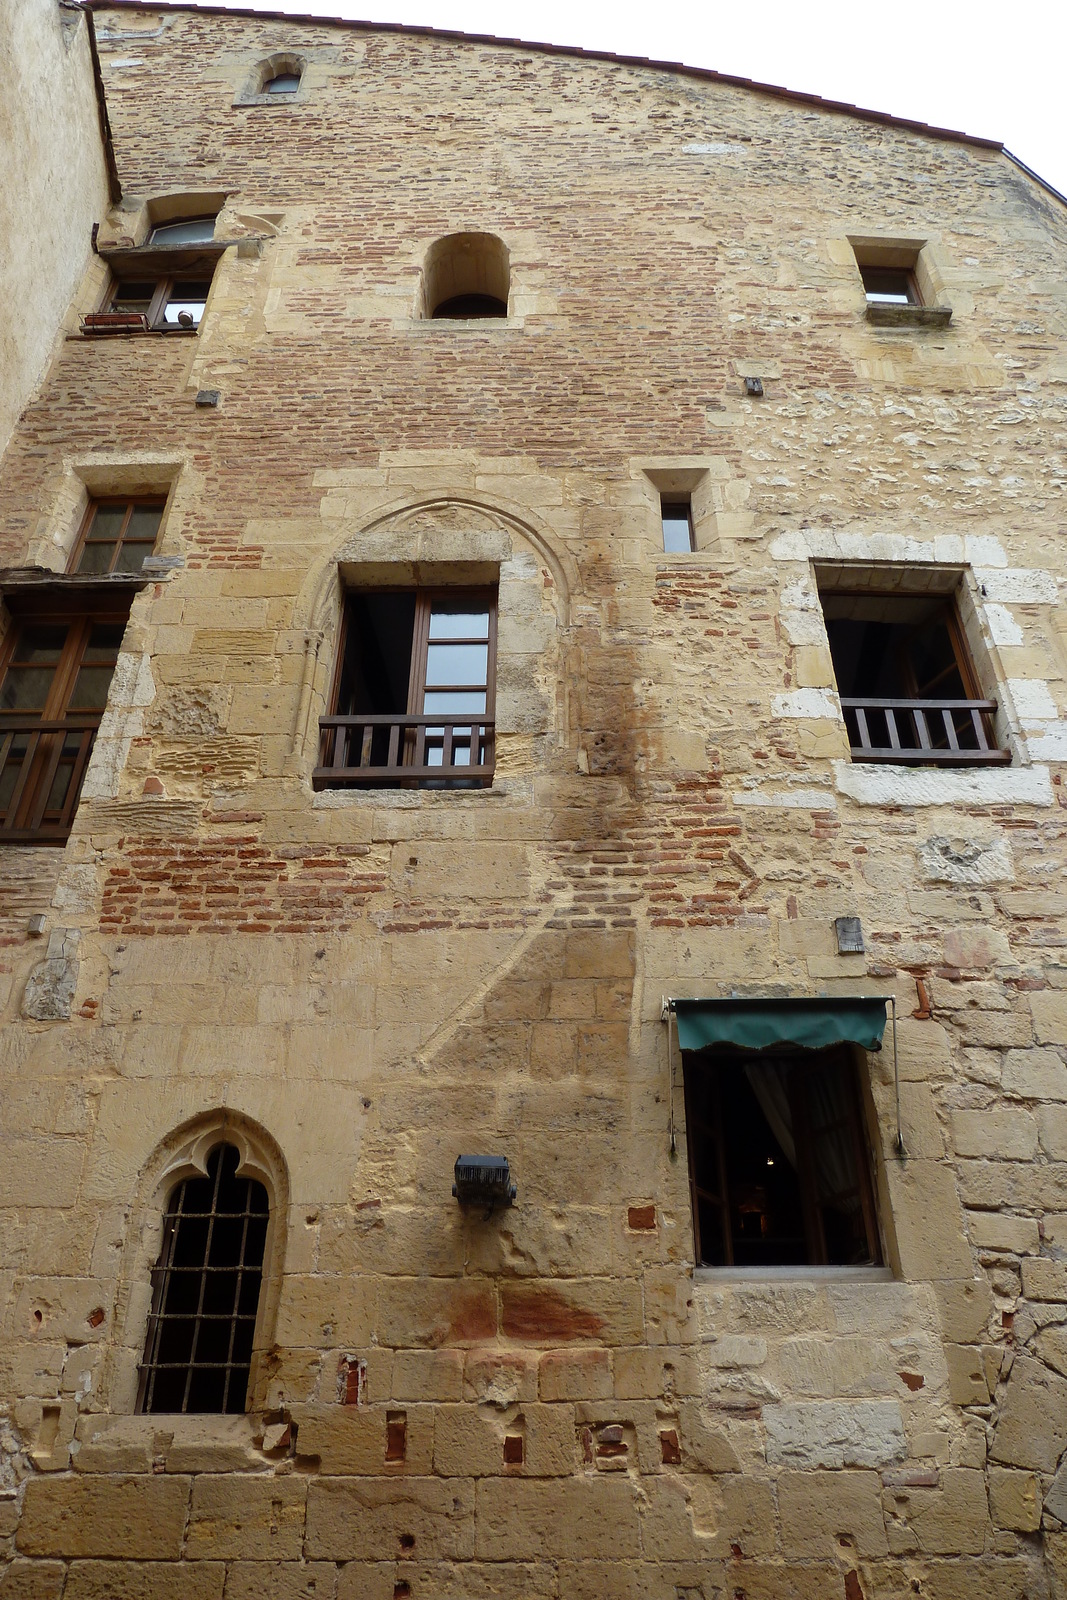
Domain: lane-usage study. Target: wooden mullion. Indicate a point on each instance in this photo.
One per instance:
(158, 302)
(121, 535)
(77, 775)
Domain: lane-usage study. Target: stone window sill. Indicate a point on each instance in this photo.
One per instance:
(882, 316)
(715, 1275)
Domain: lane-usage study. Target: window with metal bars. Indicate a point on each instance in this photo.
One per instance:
(205, 1292)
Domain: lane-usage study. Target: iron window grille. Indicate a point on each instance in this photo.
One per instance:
(205, 1292)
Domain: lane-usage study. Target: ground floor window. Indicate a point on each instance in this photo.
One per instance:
(778, 1160)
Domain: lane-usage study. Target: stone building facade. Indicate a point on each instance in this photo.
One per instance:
(695, 453)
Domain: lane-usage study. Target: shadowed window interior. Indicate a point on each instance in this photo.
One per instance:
(890, 286)
(466, 277)
(282, 83)
(205, 1292)
(778, 1162)
(908, 689)
(414, 694)
(117, 535)
(677, 519)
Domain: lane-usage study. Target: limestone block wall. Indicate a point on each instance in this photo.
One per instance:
(357, 986)
(55, 187)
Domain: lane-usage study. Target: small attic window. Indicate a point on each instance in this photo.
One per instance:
(890, 286)
(466, 277)
(282, 83)
(190, 230)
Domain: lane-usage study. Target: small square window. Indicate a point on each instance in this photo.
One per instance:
(778, 1160)
(890, 286)
(677, 520)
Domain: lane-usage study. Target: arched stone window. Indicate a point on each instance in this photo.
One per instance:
(205, 1290)
(276, 80)
(466, 276)
(199, 1289)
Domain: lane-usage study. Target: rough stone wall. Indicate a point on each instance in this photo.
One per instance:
(54, 189)
(548, 1403)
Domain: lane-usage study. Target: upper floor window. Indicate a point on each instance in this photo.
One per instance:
(908, 687)
(205, 1291)
(466, 276)
(190, 230)
(117, 535)
(890, 286)
(413, 700)
(56, 673)
(282, 83)
(676, 516)
(162, 304)
(901, 286)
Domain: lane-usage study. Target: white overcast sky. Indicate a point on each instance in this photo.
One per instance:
(999, 70)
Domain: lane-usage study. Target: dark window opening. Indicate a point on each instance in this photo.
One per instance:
(778, 1162)
(677, 519)
(53, 694)
(908, 689)
(470, 306)
(117, 535)
(890, 286)
(282, 83)
(413, 701)
(198, 1352)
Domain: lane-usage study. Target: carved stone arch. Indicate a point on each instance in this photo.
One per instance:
(462, 541)
(182, 1154)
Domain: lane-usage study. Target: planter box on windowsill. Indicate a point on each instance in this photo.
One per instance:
(884, 316)
(100, 322)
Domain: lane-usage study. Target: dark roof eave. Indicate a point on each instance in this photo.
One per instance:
(706, 74)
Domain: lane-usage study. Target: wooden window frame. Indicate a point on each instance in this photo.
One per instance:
(144, 502)
(406, 772)
(907, 274)
(164, 292)
(717, 1134)
(24, 820)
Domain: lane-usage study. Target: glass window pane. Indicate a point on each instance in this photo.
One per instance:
(196, 230)
(447, 703)
(105, 641)
(183, 311)
(96, 557)
(132, 296)
(457, 663)
(676, 530)
(132, 554)
(41, 643)
(448, 624)
(26, 688)
(107, 523)
(144, 522)
(90, 689)
(284, 83)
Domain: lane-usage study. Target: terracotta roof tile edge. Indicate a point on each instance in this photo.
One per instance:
(708, 74)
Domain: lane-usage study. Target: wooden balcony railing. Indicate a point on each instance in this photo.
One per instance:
(397, 751)
(923, 732)
(42, 764)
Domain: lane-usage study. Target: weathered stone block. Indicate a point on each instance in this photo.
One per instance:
(373, 1519)
(1034, 1075)
(133, 1580)
(952, 1519)
(132, 1518)
(1001, 1135)
(1031, 1430)
(1014, 1500)
(860, 1433)
(596, 1518)
(243, 1516)
(967, 1382)
(821, 1511)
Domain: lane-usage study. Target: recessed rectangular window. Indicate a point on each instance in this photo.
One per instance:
(778, 1161)
(908, 688)
(117, 535)
(57, 670)
(677, 519)
(413, 703)
(890, 286)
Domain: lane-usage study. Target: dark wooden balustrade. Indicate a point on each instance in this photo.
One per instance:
(395, 750)
(42, 764)
(923, 732)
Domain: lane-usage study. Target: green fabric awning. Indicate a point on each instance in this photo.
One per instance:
(757, 1024)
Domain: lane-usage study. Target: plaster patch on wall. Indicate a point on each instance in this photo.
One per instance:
(1032, 699)
(863, 1433)
(791, 799)
(1018, 585)
(933, 786)
(49, 992)
(1003, 628)
(809, 704)
(132, 689)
